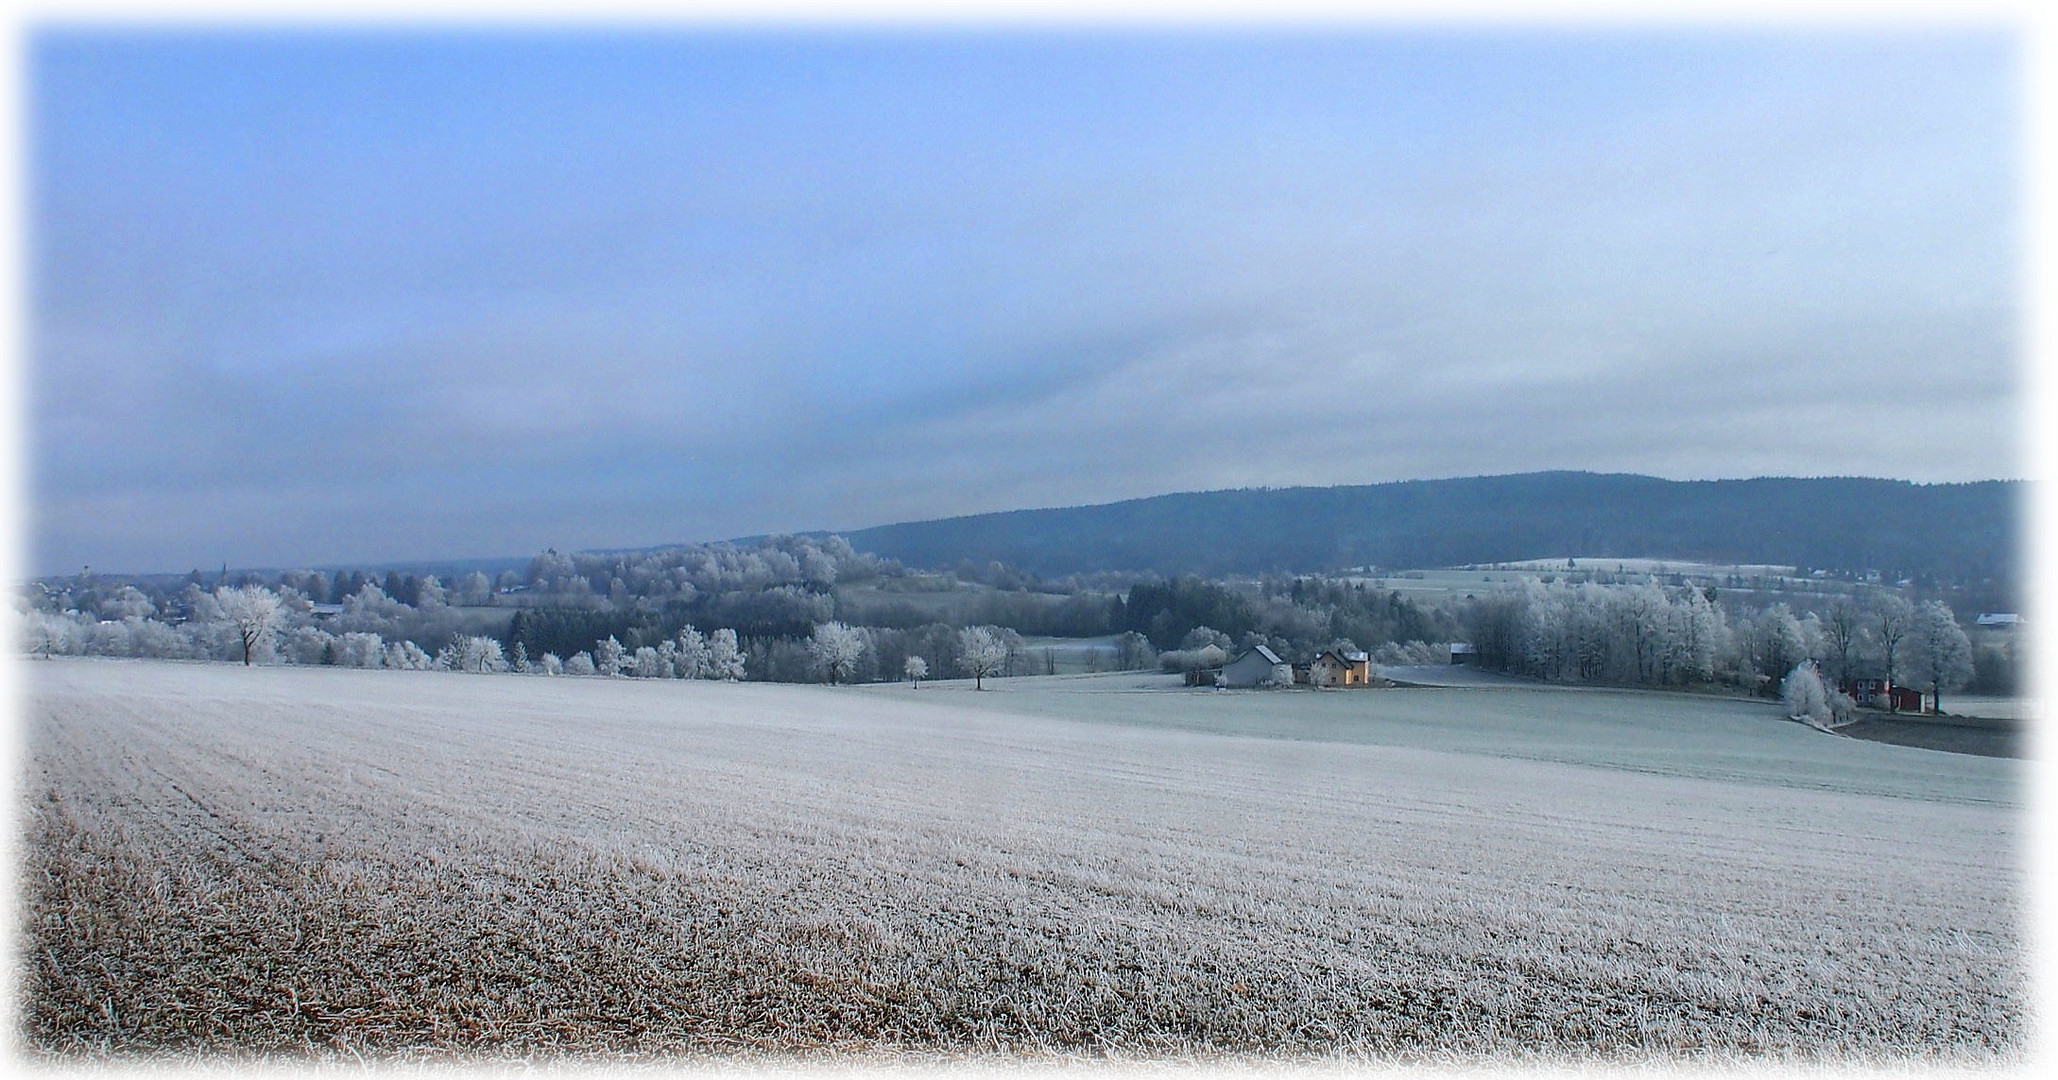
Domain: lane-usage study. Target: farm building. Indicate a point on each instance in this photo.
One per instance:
(1333, 668)
(1254, 668)
(1462, 653)
(1881, 694)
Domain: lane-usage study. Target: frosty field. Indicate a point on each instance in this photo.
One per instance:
(338, 862)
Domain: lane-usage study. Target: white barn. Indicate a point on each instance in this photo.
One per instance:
(1253, 668)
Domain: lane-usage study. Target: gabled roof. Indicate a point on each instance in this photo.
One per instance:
(1345, 659)
(1264, 652)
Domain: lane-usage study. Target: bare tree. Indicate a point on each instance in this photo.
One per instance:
(253, 611)
(1843, 629)
(1892, 617)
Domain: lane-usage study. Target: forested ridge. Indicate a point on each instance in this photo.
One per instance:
(1957, 532)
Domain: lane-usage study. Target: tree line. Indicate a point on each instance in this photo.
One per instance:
(1648, 635)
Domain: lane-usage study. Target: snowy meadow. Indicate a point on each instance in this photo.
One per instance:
(416, 865)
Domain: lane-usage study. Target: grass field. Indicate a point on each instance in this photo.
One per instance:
(224, 860)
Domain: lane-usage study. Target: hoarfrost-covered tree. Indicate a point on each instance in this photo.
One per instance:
(551, 665)
(836, 649)
(1777, 642)
(473, 589)
(474, 653)
(1892, 618)
(692, 660)
(519, 663)
(359, 649)
(1805, 697)
(310, 645)
(609, 658)
(253, 611)
(981, 653)
(129, 603)
(1133, 652)
(408, 656)
(45, 632)
(1940, 653)
(725, 657)
(648, 664)
(581, 663)
(1843, 635)
(916, 669)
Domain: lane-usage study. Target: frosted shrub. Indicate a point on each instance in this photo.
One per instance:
(647, 664)
(362, 650)
(1206, 656)
(551, 665)
(1804, 695)
(308, 645)
(148, 637)
(106, 637)
(1411, 654)
(45, 634)
(580, 664)
(408, 656)
(474, 654)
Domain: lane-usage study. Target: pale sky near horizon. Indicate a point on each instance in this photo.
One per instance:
(301, 298)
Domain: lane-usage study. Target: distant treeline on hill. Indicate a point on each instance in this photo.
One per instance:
(1951, 532)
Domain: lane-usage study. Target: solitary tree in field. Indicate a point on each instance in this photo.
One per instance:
(254, 611)
(1942, 655)
(916, 669)
(981, 653)
(836, 649)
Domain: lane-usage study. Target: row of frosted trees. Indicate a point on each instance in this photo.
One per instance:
(253, 624)
(1647, 635)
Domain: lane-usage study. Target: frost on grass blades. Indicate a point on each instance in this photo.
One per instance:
(318, 860)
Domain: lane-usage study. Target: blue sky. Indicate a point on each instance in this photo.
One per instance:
(325, 296)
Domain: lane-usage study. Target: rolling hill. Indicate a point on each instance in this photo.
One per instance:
(1958, 532)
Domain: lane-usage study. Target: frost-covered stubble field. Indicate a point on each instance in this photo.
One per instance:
(337, 862)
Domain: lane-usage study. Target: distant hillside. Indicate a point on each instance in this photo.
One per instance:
(1960, 532)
